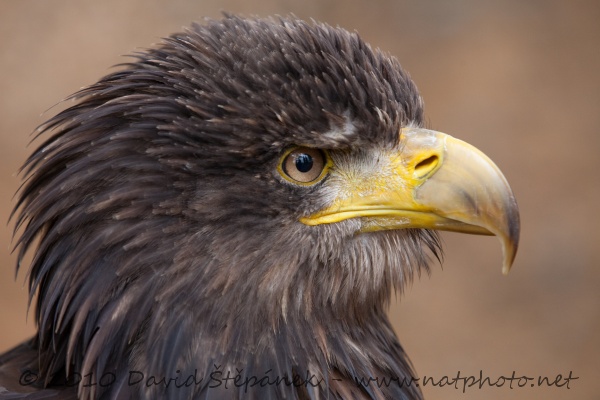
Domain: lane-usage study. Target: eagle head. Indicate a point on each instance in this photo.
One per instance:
(243, 199)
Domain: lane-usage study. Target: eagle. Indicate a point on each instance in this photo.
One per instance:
(227, 216)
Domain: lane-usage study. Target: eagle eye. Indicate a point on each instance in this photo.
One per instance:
(304, 165)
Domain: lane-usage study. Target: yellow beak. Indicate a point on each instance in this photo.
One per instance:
(431, 181)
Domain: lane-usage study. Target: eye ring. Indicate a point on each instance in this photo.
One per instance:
(304, 166)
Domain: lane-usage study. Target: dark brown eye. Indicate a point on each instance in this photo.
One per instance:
(304, 165)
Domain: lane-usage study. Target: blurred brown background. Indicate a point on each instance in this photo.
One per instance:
(518, 79)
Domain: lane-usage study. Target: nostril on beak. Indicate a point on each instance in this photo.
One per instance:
(426, 166)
